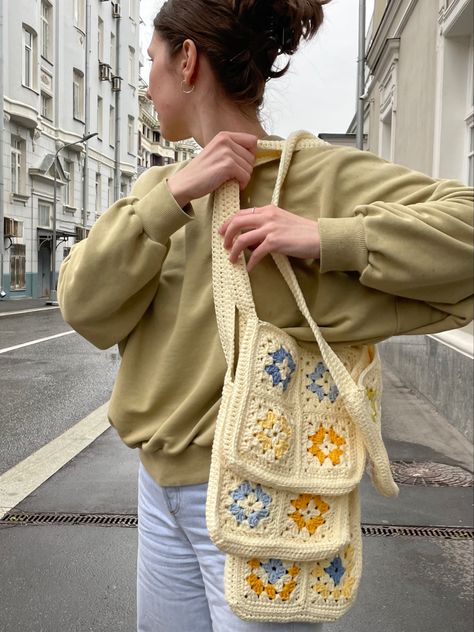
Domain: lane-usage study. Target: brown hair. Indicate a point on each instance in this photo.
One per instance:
(241, 38)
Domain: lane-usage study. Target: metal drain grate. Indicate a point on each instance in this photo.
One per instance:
(430, 474)
(98, 520)
(25, 518)
(448, 533)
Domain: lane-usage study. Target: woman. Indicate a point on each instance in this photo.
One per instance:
(377, 249)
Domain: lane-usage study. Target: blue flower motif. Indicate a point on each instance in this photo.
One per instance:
(336, 570)
(276, 371)
(275, 570)
(318, 376)
(241, 513)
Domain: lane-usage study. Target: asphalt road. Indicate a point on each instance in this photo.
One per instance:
(47, 387)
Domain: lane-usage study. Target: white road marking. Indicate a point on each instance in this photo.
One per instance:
(28, 311)
(22, 479)
(35, 342)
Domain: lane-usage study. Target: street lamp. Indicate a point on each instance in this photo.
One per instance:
(53, 299)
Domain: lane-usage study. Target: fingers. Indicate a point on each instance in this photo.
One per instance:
(239, 222)
(246, 240)
(243, 152)
(249, 141)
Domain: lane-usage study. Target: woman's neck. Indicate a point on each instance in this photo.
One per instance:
(211, 121)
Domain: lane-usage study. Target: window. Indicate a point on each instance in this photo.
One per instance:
(98, 193)
(45, 214)
(18, 267)
(386, 137)
(18, 166)
(110, 189)
(100, 37)
(113, 52)
(133, 10)
(156, 137)
(69, 186)
(112, 126)
(131, 135)
(78, 94)
(46, 106)
(80, 14)
(29, 58)
(131, 66)
(100, 117)
(123, 189)
(46, 23)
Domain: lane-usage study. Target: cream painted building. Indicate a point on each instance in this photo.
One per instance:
(68, 68)
(419, 112)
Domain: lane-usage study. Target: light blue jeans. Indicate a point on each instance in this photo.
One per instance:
(180, 573)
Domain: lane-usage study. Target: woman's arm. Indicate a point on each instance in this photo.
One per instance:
(108, 280)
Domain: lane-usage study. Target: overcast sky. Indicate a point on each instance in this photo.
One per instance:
(318, 93)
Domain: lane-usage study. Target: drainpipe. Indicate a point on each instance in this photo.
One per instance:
(85, 176)
(118, 175)
(2, 145)
(360, 78)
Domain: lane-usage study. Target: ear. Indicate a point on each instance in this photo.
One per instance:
(189, 61)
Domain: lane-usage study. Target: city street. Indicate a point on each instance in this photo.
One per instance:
(48, 386)
(63, 576)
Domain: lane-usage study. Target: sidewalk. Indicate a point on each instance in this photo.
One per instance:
(58, 578)
(19, 304)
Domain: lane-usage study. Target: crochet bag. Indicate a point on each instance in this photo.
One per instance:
(294, 432)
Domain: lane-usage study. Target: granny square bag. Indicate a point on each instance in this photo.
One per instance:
(294, 432)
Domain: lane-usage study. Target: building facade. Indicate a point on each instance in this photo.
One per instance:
(419, 112)
(69, 68)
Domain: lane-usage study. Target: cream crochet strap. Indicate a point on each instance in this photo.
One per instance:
(232, 289)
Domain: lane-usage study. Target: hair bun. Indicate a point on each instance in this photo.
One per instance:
(285, 22)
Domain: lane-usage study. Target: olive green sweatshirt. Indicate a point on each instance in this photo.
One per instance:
(396, 258)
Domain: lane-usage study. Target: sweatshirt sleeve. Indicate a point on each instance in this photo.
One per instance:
(109, 279)
(406, 234)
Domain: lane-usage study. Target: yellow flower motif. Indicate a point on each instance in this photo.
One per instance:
(371, 394)
(306, 506)
(326, 445)
(274, 436)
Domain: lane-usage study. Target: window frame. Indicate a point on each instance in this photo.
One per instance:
(112, 126)
(44, 204)
(16, 166)
(47, 99)
(79, 15)
(131, 135)
(28, 78)
(100, 117)
(131, 66)
(98, 193)
(78, 95)
(18, 267)
(46, 40)
(69, 184)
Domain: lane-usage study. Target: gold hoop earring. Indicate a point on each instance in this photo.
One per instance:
(186, 91)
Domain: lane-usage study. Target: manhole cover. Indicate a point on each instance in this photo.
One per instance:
(429, 473)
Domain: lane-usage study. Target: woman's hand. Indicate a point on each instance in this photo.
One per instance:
(229, 155)
(270, 229)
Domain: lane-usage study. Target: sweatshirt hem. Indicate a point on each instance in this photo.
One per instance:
(191, 467)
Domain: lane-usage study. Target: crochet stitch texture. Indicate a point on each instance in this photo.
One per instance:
(294, 432)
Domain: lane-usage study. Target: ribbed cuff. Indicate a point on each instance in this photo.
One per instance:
(161, 214)
(343, 246)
